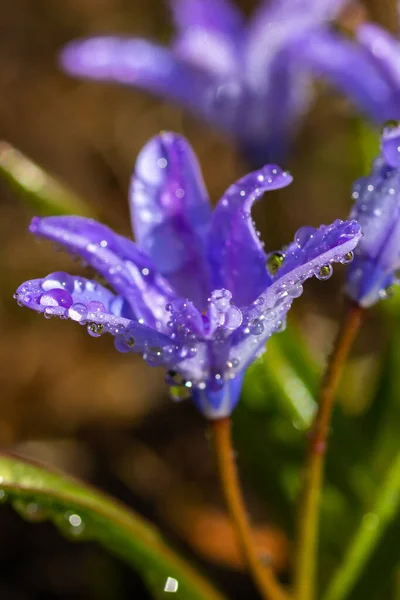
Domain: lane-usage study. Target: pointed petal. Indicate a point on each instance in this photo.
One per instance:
(88, 302)
(171, 214)
(236, 254)
(210, 34)
(348, 67)
(128, 270)
(377, 209)
(139, 63)
(310, 254)
(275, 25)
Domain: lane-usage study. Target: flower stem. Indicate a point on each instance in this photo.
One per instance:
(306, 556)
(263, 576)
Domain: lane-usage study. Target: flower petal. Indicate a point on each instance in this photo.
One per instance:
(139, 63)
(88, 302)
(276, 24)
(235, 253)
(171, 214)
(350, 68)
(377, 208)
(216, 404)
(384, 50)
(210, 34)
(128, 270)
(310, 254)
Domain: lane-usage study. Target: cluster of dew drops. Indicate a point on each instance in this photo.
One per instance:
(57, 300)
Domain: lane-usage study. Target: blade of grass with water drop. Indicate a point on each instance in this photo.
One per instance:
(85, 513)
(39, 189)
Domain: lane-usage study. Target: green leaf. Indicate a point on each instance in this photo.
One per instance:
(373, 526)
(81, 512)
(37, 187)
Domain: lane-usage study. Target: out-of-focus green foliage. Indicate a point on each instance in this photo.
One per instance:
(37, 187)
(362, 487)
(82, 513)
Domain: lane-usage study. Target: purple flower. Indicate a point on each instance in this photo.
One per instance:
(233, 75)
(196, 293)
(377, 208)
(366, 69)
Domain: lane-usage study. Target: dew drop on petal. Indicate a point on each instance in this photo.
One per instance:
(95, 306)
(58, 280)
(296, 290)
(233, 318)
(179, 392)
(274, 262)
(77, 312)
(130, 342)
(325, 272)
(56, 297)
(347, 258)
(256, 327)
(95, 329)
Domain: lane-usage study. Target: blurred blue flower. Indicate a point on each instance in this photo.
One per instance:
(366, 69)
(196, 294)
(377, 208)
(238, 77)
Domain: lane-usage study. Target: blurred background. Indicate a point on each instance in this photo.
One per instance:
(74, 402)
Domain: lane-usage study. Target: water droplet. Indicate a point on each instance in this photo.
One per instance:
(95, 329)
(130, 342)
(275, 261)
(280, 326)
(325, 272)
(347, 258)
(30, 510)
(3, 496)
(179, 392)
(56, 297)
(256, 327)
(71, 524)
(388, 292)
(295, 291)
(77, 312)
(96, 307)
(270, 314)
(233, 318)
(221, 300)
(58, 280)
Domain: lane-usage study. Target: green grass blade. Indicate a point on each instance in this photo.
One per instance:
(81, 512)
(373, 526)
(37, 187)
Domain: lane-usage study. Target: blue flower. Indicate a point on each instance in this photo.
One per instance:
(377, 208)
(366, 68)
(196, 294)
(235, 76)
